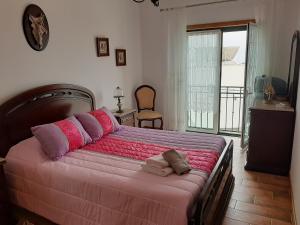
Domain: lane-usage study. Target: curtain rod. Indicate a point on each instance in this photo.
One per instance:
(196, 5)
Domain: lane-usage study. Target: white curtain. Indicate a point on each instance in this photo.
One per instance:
(269, 16)
(264, 56)
(256, 62)
(254, 68)
(175, 84)
(204, 52)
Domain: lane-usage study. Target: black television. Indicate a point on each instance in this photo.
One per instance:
(293, 79)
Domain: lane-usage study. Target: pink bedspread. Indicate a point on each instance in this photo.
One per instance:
(201, 159)
(86, 187)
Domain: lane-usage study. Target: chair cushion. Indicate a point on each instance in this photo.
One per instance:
(145, 97)
(147, 114)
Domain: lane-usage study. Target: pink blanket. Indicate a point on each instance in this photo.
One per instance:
(204, 160)
(92, 188)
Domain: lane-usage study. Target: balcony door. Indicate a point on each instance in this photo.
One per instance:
(216, 80)
(204, 69)
(234, 52)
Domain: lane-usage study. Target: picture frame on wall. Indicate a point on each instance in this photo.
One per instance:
(102, 47)
(121, 57)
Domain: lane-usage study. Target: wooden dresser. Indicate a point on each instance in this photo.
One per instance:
(270, 137)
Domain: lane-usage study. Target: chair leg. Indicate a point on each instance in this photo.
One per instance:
(140, 124)
(161, 123)
(153, 123)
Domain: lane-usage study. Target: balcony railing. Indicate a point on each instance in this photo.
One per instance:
(231, 109)
(202, 106)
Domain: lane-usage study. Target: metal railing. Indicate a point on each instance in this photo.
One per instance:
(202, 105)
(231, 109)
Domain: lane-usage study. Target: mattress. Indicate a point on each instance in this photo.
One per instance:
(93, 187)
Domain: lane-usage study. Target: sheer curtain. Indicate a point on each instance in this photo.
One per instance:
(257, 64)
(175, 83)
(268, 15)
(204, 52)
(254, 68)
(263, 50)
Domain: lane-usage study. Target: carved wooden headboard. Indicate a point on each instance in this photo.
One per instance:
(41, 105)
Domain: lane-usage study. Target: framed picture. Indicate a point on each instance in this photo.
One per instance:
(102, 47)
(121, 57)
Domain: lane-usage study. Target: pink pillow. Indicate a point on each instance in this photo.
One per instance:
(98, 123)
(104, 120)
(60, 137)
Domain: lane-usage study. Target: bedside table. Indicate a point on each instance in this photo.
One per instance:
(5, 216)
(126, 118)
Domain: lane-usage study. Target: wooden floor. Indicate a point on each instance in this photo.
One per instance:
(258, 198)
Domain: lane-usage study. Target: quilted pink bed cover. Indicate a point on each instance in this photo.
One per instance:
(95, 186)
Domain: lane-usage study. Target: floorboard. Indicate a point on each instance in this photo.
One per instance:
(258, 198)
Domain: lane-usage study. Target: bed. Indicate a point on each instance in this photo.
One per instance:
(67, 191)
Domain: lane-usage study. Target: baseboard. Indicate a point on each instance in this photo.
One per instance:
(294, 222)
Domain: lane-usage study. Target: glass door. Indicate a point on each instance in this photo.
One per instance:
(252, 71)
(234, 48)
(204, 67)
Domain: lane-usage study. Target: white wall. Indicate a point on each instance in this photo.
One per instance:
(71, 53)
(153, 55)
(295, 166)
(178, 3)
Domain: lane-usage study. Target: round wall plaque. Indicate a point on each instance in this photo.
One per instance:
(36, 28)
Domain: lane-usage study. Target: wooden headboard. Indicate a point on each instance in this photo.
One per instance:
(41, 105)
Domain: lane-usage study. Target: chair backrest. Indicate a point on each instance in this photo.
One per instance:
(145, 97)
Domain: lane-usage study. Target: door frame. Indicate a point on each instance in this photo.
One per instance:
(243, 144)
(232, 29)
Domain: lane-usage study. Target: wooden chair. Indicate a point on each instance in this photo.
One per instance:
(145, 99)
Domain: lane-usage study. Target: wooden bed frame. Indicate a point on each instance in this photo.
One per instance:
(51, 103)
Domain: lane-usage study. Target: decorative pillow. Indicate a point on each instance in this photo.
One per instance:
(98, 123)
(91, 125)
(60, 137)
(116, 125)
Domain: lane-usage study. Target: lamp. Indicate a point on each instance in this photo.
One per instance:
(155, 2)
(118, 93)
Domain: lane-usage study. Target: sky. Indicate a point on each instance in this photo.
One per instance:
(234, 39)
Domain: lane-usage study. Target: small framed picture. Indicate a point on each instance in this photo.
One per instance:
(102, 47)
(121, 57)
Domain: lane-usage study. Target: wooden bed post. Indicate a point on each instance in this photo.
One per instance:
(211, 208)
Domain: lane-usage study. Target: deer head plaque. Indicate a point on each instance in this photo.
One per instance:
(36, 28)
